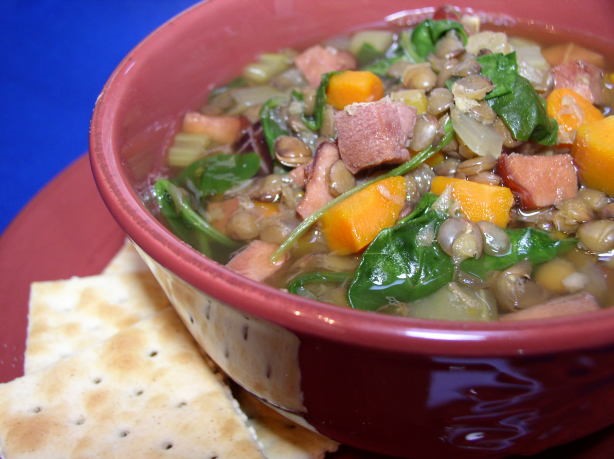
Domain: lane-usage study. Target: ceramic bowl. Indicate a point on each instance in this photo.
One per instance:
(403, 387)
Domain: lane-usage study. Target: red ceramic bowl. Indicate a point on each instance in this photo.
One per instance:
(404, 387)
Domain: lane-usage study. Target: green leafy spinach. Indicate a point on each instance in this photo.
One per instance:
(273, 124)
(426, 35)
(404, 262)
(218, 173)
(515, 101)
(185, 221)
(298, 285)
(528, 244)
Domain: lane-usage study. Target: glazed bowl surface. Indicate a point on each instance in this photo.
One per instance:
(411, 388)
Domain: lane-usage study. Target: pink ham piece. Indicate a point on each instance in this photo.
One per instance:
(539, 181)
(317, 60)
(582, 77)
(374, 133)
(254, 261)
(557, 307)
(316, 188)
(298, 175)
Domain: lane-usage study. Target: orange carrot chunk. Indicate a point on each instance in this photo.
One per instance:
(570, 110)
(352, 86)
(477, 201)
(352, 224)
(593, 153)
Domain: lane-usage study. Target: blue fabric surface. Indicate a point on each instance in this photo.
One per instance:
(56, 56)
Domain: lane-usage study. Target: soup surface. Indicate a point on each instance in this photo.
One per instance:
(443, 170)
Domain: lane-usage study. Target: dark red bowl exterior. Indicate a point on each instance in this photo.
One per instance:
(397, 386)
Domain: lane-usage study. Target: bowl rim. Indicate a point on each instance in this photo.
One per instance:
(366, 329)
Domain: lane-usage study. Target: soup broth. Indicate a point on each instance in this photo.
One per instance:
(446, 169)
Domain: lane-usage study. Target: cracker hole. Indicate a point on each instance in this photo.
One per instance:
(167, 445)
(97, 380)
(139, 392)
(269, 371)
(191, 319)
(182, 404)
(36, 409)
(123, 433)
(245, 332)
(153, 353)
(80, 421)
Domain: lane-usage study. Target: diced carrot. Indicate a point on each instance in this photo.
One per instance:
(593, 153)
(352, 224)
(569, 52)
(437, 158)
(477, 201)
(570, 110)
(353, 86)
(220, 129)
(266, 209)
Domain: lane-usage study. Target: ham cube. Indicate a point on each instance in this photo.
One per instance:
(539, 181)
(254, 261)
(557, 307)
(317, 60)
(374, 133)
(582, 77)
(316, 188)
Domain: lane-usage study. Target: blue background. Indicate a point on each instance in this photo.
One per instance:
(55, 58)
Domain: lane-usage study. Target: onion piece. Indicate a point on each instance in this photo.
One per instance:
(481, 139)
(253, 95)
(531, 63)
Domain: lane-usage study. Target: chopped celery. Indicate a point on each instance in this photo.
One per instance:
(267, 66)
(186, 149)
(183, 156)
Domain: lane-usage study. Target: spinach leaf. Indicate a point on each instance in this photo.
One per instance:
(174, 221)
(314, 122)
(218, 173)
(273, 124)
(407, 47)
(308, 120)
(181, 216)
(223, 171)
(297, 285)
(426, 34)
(380, 66)
(501, 70)
(367, 54)
(403, 263)
(515, 101)
(402, 50)
(526, 244)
